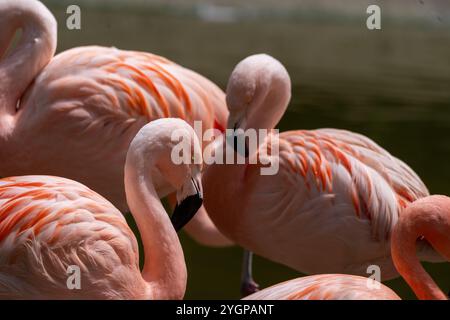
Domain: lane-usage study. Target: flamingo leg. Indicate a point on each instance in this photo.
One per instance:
(248, 285)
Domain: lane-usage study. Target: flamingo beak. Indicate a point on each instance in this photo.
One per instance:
(239, 141)
(189, 204)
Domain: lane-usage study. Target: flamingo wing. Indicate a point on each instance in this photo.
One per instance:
(126, 85)
(338, 162)
(48, 224)
(401, 177)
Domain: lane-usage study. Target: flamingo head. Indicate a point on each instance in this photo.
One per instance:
(169, 149)
(258, 93)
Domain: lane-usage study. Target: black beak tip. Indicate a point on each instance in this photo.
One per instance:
(185, 211)
(236, 145)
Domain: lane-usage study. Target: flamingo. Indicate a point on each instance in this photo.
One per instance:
(49, 223)
(427, 217)
(332, 204)
(75, 114)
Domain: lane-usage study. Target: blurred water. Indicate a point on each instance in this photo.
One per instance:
(391, 85)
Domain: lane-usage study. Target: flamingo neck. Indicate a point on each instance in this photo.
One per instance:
(415, 275)
(423, 220)
(226, 179)
(164, 267)
(36, 47)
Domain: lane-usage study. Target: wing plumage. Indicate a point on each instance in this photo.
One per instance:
(326, 287)
(346, 164)
(48, 224)
(128, 84)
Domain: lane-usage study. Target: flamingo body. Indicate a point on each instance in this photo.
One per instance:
(326, 287)
(48, 224)
(330, 208)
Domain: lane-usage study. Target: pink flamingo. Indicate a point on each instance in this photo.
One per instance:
(48, 224)
(334, 201)
(76, 114)
(427, 217)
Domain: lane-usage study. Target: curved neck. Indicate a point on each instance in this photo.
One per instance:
(34, 50)
(164, 267)
(408, 230)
